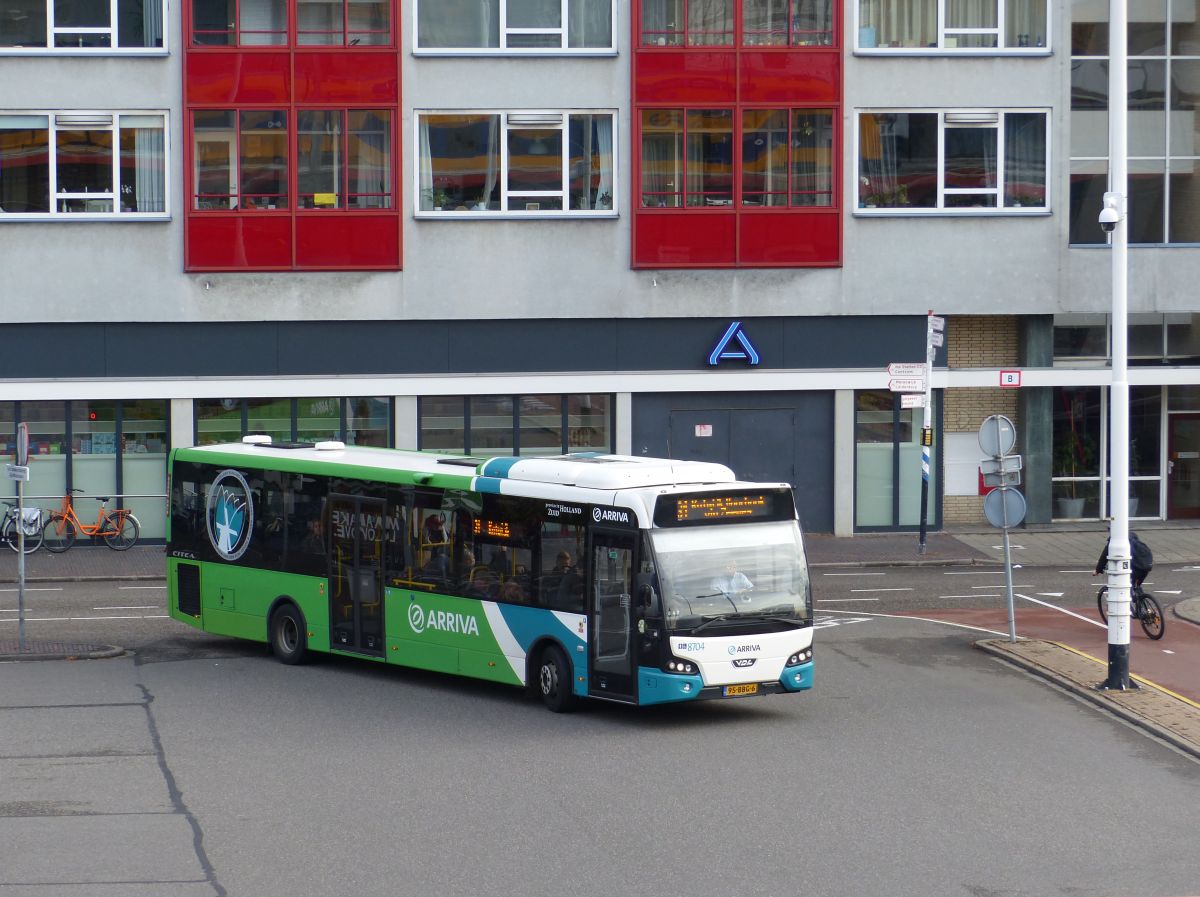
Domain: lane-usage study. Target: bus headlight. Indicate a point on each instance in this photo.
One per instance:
(800, 657)
(675, 665)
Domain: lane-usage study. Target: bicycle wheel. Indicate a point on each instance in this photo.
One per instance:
(1102, 602)
(33, 541)
(120, 531)
(58, 534)
(1151, 615)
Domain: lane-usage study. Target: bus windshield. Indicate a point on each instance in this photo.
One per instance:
(741, 572)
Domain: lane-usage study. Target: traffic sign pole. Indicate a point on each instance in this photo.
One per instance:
(935, 326)
(22, 461)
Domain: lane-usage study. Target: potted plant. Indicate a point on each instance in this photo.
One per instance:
(1074, 455)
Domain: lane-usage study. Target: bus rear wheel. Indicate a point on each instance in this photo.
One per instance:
(289, 635)
(554, 680)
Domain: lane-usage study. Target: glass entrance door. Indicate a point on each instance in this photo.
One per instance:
(1183, 466)
(355, 583)
(611, 587)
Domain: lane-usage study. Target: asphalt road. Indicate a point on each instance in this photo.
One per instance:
(918, 765)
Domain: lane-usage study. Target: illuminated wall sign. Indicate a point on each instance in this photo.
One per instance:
(725, 351)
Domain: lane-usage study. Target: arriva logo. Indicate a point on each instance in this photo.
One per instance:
(744, 649)
(610, 515)
(420, 620)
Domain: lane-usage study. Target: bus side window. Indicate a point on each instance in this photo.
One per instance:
(306, 527)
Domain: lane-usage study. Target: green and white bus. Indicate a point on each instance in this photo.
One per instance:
(637, 580)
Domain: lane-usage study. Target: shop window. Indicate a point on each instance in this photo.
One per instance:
(105, 165)
(964, 161)
(517, 163)
(952, 25)
(355, 421)
(514, 26)
(542, 424)
(81, 26)
(888, 456)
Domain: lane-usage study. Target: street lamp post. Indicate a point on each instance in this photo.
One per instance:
(1115, 221)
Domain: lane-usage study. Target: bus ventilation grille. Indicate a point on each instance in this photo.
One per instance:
(188, 589)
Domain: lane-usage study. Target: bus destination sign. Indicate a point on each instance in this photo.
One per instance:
(720, 507)
(729, 507)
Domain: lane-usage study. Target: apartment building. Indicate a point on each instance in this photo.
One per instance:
(696, 228)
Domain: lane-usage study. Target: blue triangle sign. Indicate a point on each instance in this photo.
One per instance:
(725, 352)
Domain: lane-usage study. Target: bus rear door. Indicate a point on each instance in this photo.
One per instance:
(612, 613)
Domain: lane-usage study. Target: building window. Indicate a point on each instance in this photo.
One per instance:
(712, 23)
(516, 425)
(240, 159)
(691, 23)
(520, 163)
(969, 161)
(1164, 130)
(83, 165)
(887, 483)
(783, 23)
(515, 26)
(965, 25)
(343, 159)
(355, 421)
(1153, 338)
(264, 23)
(81, 26)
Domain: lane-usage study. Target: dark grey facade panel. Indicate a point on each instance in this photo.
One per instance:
(662, 422)
(307, 348)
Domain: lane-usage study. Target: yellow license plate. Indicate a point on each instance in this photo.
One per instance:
(731, 690)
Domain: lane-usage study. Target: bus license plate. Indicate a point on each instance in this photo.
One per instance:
(731, 690)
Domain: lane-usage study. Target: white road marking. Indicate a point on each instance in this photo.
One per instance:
(1088, 572)
(78, 619)
(1165, 651)
(922, 619)
(1011, 547)
(854, 574)
(38, 589)
(997, 595)
(1048, 594)
(1063, 610)
(133, 588)
(131, 607)
(842, 600)
(974, 573)
(1168, 591)
(881, 590)
(1022, 586)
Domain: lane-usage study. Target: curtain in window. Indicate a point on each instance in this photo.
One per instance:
(589, 23)
(899, 23)
(970, 14)
(662, 157)
(152, 23)
(710, 22)
(662, 22)
(263, 23)
(490, 197)
(878, 166)
(370, 160)
(425, 169)
(812, 157)
(149, 187)
(1025, 23)
(1025, 159)
(604, 148)
(458, 23)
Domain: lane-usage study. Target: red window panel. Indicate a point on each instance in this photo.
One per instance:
(789, 77)
(356, 241)
(345, 76)
(239, 243)
(689, 240)
(783, 239)
(236, 79)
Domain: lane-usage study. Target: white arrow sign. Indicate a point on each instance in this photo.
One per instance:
(906, 369)
(907, 384)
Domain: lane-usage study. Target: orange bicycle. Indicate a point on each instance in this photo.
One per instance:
(119, 529)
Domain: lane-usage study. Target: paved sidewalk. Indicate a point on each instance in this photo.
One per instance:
(1171, 717)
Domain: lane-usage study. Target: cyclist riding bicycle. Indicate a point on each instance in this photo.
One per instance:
(1143, 561)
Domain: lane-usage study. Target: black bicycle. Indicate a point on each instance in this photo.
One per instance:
(32, 527)
(1143, 606)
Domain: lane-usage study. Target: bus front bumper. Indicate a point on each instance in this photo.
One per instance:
(657, 687)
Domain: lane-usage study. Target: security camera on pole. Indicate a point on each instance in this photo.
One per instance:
(1114, 222)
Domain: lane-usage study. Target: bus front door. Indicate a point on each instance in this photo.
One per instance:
(355, 579)
(612, 614)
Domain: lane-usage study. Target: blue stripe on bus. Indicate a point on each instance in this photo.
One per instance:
(498, 467)
(528, 624)
(797, 678)
(490, 485)
(657, 687)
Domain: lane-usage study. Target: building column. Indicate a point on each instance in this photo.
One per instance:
(183, 423)
(1037, 416)
(843, 462)
(406, 425)
(623, 423)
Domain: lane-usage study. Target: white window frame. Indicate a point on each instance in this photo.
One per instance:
(95, 117)
(965, 118)
(947, 37)
(515, 120)
(52, 31)
(505, 50)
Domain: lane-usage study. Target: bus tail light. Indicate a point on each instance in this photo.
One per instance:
(800, 657)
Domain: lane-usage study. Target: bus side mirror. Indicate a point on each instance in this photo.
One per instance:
(647, 599)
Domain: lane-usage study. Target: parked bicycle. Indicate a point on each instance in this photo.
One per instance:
(119, 529)
(31, 525)
(1143, 607)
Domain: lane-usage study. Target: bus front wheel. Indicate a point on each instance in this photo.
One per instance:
(554, 680)
(289, 635)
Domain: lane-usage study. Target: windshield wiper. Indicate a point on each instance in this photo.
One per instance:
(709, 621)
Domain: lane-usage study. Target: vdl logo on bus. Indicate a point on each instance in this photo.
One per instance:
(229, 514)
